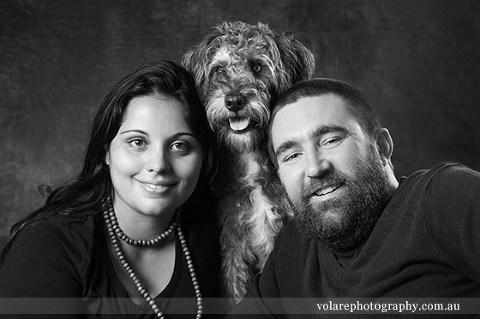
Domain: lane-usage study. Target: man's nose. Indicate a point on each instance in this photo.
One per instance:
(317, 165)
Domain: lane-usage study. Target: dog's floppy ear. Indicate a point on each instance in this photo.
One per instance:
(194, 61)
(298, 60)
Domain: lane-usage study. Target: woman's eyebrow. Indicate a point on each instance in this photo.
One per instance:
(134, 131)
(183, 133)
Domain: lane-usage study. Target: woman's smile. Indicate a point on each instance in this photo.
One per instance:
(158, 187)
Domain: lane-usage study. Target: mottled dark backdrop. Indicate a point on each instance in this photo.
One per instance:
(419, 61)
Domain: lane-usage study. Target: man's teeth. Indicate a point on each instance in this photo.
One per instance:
(239, 124)
(326, 190)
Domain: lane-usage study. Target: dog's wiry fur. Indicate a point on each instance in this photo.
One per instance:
(239, 69)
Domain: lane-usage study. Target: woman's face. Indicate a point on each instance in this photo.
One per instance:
(155, 159)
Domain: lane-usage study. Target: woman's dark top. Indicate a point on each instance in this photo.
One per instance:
(69, 263)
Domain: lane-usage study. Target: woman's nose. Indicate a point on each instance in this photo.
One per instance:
(157, 160)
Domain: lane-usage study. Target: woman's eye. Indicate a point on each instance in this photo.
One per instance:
(138, 143)
(181, 147)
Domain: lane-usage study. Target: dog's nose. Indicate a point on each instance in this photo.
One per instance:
(235, 102)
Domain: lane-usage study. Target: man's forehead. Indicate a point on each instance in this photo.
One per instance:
(319, 107)
(308, 113)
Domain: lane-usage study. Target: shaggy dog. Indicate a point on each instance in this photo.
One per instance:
(238, 70)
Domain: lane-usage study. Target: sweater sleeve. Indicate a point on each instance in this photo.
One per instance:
(453, 217)
(43, 262)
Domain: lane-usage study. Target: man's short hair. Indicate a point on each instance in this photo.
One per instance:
(353, 97)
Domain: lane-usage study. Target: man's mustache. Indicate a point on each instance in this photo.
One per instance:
(316, 184)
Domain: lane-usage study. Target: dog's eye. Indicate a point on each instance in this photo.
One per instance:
(218, 70)
(256, 68)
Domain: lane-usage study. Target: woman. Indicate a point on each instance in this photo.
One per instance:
(134, 232)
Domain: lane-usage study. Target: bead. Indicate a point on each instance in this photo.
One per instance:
(115, 232)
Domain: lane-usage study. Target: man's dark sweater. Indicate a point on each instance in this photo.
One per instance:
(426, 244)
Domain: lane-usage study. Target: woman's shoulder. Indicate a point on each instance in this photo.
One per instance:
(51, 254)
(63, 224)
(62, 234)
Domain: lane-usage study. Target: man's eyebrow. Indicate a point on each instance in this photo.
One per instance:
(324, 129)
(284, 146)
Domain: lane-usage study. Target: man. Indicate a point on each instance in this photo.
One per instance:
(357, 231)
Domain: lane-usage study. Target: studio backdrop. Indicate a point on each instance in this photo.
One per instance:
(418, 61)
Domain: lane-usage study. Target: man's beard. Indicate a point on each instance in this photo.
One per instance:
(343, 223)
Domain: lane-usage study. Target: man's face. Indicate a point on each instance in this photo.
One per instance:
(330, 168)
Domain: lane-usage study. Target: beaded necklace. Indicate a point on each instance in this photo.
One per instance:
(115, 232)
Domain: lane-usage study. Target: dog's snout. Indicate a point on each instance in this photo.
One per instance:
(235, 102)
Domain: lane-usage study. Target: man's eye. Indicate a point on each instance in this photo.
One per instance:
(331, 141)
(291, 157)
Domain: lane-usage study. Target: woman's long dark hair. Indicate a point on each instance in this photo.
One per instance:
(84, 195)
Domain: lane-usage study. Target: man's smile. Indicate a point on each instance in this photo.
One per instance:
(327, 189)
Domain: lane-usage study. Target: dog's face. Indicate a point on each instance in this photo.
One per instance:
(238, 69)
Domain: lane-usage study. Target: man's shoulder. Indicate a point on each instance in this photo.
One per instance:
(444, 176)
(442, 195)
(448, 171)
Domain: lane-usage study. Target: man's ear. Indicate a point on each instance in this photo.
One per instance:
(384, 144)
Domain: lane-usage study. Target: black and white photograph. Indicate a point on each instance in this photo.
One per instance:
(239, 159)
